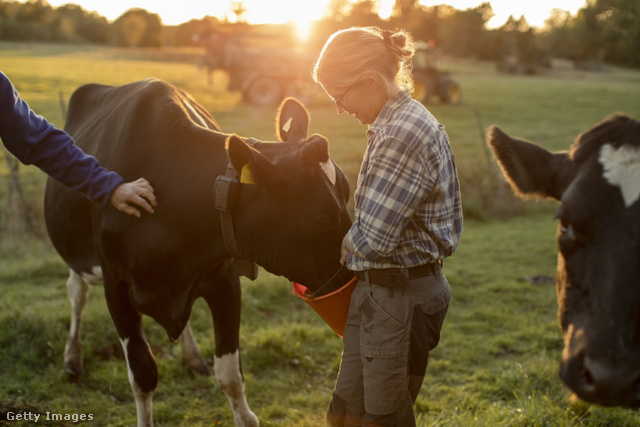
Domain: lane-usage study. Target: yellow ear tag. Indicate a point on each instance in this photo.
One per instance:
(246, 177)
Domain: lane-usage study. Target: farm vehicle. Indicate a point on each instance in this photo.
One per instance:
(265, 77)
(264, 65)
(266, 69)
(429, 80)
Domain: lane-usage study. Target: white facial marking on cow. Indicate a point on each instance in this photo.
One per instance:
(330, 169)
(622, 169)
(197, 116)
(227, 370)
(143, 400)
(287, 125)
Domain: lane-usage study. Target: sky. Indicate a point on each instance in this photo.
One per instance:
(303, 12)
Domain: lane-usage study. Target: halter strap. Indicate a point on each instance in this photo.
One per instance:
(224, 188)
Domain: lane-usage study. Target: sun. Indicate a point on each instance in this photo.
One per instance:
(303, 28)
(300, 13)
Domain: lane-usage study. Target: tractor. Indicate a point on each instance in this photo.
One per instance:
(429, 80)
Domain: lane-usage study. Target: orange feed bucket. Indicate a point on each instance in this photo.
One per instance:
(332, 308)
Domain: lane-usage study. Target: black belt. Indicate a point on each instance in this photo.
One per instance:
(398, 277)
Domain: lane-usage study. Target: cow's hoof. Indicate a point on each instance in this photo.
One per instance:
(74, 370)
(197, 367)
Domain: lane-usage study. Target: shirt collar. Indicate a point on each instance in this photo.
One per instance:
(389, 110)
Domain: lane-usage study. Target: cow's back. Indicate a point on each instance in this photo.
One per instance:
(123, 125)
(144, 129)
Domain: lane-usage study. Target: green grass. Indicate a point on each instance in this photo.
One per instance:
(497, 363)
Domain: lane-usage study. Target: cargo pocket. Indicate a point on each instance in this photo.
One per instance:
(384, 346)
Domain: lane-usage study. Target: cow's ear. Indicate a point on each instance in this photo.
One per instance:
(238, 151)
(315, 150)
(530, 169)
(292, 121)
(241, 155)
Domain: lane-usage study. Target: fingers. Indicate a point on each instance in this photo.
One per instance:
(130, 195)
(128, 209)
(144, 189)
(345, 250)
(141, 201)
(343, 257)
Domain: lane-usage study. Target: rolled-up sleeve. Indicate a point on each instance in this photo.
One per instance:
(390, 191)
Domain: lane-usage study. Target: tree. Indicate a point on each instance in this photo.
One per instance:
(138, 28)
(363, 13)
(73, 23)
(620, 32)
(239, 10)
(27, 21)
(423, 22)
(556, 39)
(462, 32)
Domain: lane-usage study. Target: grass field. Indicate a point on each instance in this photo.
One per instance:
(497, 363)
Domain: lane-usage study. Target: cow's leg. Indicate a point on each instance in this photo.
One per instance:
(78, 291)
(142, 368)
(224, 302)
(191, 356)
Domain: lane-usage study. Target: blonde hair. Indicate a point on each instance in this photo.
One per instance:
(349, 53)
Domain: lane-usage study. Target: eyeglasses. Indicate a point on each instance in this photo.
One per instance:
(338, 101)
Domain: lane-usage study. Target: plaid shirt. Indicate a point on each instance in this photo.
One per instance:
(408, 210)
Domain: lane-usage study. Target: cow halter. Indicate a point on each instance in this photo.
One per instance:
(223, 189)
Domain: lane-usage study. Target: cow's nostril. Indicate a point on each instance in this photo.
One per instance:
(589, 383)
(587, 379)
(609, 381)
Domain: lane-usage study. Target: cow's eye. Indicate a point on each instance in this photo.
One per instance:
(568, 239)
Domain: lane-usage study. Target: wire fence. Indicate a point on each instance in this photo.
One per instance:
(21, 201)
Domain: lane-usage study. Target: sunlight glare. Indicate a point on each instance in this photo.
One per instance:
(303, 13)
(300, 13)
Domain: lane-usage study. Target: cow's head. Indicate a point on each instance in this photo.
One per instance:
(598, 277)
(290, 214)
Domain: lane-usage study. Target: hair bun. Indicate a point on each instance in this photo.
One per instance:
(397, 41)
(386, 36)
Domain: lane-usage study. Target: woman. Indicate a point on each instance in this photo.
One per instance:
(408, 218)
(33, 140)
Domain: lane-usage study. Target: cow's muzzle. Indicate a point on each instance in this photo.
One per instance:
(601, 376)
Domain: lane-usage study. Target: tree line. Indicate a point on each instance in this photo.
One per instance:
(602, 31)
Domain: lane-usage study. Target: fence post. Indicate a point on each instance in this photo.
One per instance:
(17, 217)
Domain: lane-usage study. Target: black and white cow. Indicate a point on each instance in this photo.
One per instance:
(598, 281)
(289, 217)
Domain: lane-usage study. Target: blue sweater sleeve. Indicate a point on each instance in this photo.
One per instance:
(33, 140)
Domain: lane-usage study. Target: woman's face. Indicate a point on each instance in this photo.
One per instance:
(363, 100)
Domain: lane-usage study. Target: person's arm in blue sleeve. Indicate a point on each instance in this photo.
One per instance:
(33, 140)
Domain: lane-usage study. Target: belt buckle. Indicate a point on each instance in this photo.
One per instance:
(399, 281)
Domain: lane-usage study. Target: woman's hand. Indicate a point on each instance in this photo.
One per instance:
(346, 249)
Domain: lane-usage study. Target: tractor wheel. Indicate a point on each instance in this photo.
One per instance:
(451, 93)
(421, 89)
(264, 91)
